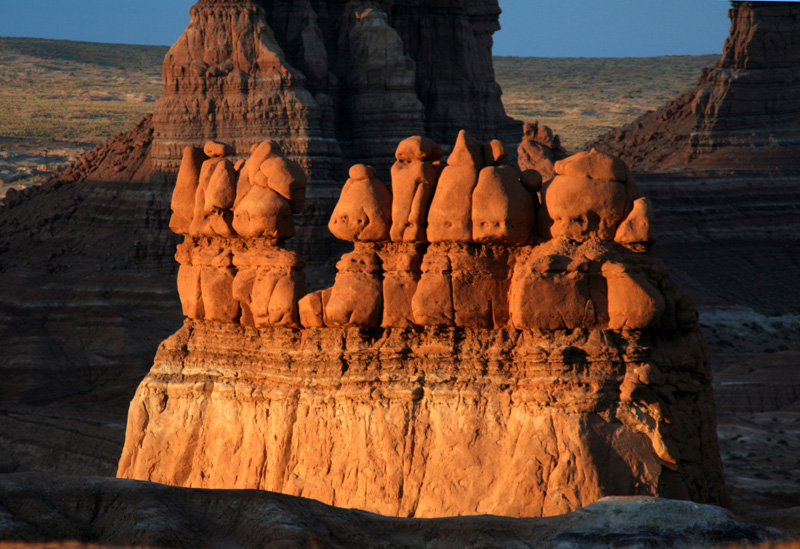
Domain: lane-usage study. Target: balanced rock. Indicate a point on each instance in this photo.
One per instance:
(470, 373)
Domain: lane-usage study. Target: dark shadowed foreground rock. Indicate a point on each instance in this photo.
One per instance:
(125, 512)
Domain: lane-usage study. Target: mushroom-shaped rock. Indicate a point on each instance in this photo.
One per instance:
(450, 215)
(594, 165)
(286, 178)
(364, 210)
(502, 210)
(414, 178)
(637, 227)
(217, 149)
(579, 208)
(185, 190)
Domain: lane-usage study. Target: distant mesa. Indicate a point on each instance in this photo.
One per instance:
(743, 113)
(491, 345)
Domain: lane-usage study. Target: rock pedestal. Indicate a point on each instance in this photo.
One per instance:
(527, 364)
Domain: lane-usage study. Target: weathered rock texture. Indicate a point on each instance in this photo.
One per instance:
(744, 112)
(331, 82)
(87, 295)
(475, 369)
(115, 512)
(86, 261)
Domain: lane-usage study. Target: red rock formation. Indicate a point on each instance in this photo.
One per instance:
(330, 82)
(469, 375)
(744, 112)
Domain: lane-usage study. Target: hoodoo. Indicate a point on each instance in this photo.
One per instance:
(490, 345)
(330, 82)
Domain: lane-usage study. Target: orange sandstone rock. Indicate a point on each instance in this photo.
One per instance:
(185, 190)
(539, 150)
(502, 210)
(258, 154)
(414, 178)
(286, 178)
(580, 208)
(265, 213)
(594, 165)
(450, 215)
(637, 227)
(474, 374)
(357, 294)
(364, 210)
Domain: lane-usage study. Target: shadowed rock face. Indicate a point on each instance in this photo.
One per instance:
(332, 82)
(744, 112)
(115, 512)
(466, 367)
(86, 261)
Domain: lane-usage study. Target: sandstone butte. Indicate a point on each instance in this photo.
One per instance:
(744, 111)
(332, 83)
(86, 260)
(491, 345)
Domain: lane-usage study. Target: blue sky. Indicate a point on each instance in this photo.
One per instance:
(543, 28)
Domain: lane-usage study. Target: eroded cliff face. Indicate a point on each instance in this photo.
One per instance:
(744, 111)
(491, 345)
(332, 83)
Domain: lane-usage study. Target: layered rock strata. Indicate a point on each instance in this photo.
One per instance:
(743, 113)
(477, 352)
(331, 82)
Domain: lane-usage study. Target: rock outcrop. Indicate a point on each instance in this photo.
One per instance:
(86, 260)
(507, 362)
(114, 512)
(332, 83)
(743, 113)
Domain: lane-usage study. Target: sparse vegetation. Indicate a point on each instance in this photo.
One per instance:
(75, 92)
(582, 98)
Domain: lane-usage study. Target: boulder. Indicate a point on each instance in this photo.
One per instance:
(364, 210)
